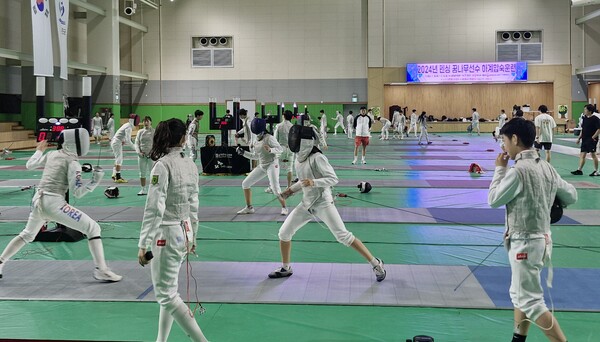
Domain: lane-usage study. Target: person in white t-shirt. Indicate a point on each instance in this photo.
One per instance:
(544, 127)
(501, 121)
(475, 122)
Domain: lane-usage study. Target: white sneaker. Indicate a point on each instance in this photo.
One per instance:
(142, 192)
(246, 210)
(268, 190)
(379, 271)
(284, 211)
(354, 162)
(106, 275)
(364, 161)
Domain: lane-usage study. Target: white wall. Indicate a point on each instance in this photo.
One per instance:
(464, 30)
(273, 39)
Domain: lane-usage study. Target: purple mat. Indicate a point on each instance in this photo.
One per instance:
(465, 184)
(478, 216)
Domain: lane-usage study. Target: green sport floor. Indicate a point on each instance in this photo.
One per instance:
(448, 243)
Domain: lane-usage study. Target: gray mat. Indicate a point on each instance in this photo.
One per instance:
(247, 282)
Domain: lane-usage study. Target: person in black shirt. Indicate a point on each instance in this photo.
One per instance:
(590, 129)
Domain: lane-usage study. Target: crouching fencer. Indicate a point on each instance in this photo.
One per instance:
(170, 225)
(316, 177)
(62, 173)
(267, 151)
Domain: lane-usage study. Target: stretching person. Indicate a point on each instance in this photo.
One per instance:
(143, 146)
(266, 150)
(528, 189)
(62, 173)
(422, 120)
(413, 123)
(340, 122)
(170, 225)
(122, 137)
(97, 128)
(316, 179)
(385, 129)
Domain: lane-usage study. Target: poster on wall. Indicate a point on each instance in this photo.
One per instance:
(466, 72)
(563, 111)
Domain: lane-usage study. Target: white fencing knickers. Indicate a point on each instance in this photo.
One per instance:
(410, 129)
(117, 148)
(349, 130)
(527, 254)
(287, 159)
(145, 164)
(47, 206)
(327, 213)
(192, 145)
(97, 132)
(338, 124)
(271, 171)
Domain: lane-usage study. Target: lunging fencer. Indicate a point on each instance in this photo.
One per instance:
(266, 151)
(339, 118)
(143, 146)
(316, 177)
(62, 173)
(192, 134)
(122, 137)
(528, 189)
(170, 225)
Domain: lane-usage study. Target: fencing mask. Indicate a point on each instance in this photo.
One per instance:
(86, 167)
(111, 192)
(258, 127)
(134, 119)
(556, 211)
(76, 140)
(301, 141)
(364, 187)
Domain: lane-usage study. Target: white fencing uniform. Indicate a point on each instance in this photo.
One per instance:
(317, 200)
(143, 145)
(340, 123)
(281, 133)
(323, 127)
(401, 125)
(475, 122)
(97, 126)
(123, 135)
(349, 125)
(169, 227)
(268, 163)
(501, 120)
(413, 124)
(191, 139)
(110, 126)
(245, 134)
(528, 190)
(385, 130)
(62, 173)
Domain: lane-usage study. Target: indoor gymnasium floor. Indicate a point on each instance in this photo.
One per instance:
(427, 217)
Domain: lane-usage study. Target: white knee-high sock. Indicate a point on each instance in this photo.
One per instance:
(13, 247)
(165, 322)
(97, 251)
(187, 323)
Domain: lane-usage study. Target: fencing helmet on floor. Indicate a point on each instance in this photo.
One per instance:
(134, 119)
(364, 187)
(76, 140)
(301, 141)
(111, 192)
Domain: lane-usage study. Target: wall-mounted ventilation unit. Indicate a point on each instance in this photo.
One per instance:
(519, 45)
(212, 52)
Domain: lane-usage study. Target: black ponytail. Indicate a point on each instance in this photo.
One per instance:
(168, 134)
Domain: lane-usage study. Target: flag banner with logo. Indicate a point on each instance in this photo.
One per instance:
(42, 38)
(62, 26)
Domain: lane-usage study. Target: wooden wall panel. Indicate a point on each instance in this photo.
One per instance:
(456, 100)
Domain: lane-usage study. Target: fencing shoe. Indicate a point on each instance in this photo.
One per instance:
(106, 275)
(284, 211)
(379, 271)
(268, 190)
(246, 210)
(281, 272)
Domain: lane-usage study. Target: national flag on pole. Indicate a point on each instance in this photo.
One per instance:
(42, 38)
(62, 26)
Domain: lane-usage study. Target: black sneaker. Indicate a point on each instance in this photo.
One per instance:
(577, 173)
(281, 272)
(594, 174)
